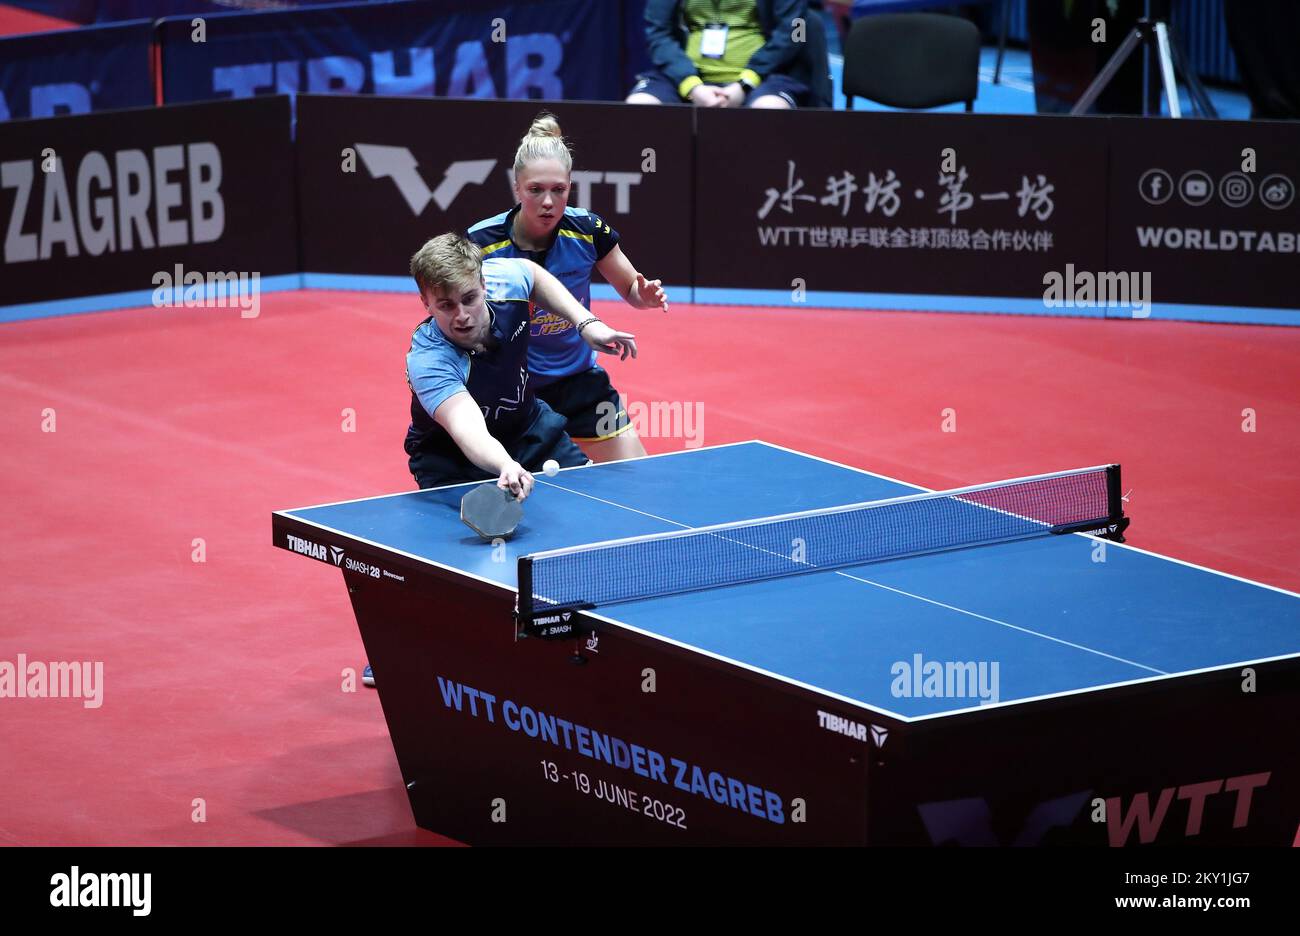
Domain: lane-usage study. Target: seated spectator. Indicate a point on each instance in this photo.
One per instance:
(734, 53)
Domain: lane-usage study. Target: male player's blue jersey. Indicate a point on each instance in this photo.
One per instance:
(582, 240)
(497, 379)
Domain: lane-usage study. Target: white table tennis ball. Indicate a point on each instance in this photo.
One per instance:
(551, 468)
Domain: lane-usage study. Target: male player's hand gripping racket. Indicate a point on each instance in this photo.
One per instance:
(494, 512)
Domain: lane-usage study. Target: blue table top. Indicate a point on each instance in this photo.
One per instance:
(915, 638)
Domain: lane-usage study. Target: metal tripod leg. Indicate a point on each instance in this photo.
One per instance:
(1195, 90)
(1108, 72)
(1168, 60)
(1002, 40)
(1165, 60)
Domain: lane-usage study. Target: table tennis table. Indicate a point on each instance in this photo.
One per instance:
(1048, 690)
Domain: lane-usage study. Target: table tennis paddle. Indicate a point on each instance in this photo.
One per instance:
(491, 512)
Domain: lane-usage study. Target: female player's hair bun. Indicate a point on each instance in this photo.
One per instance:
(543, 141)
(545, 125)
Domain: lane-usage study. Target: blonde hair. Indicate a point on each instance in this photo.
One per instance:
(446, 260)
(543, 141)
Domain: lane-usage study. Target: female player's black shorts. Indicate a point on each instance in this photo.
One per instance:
(544, 439)
(590, 404)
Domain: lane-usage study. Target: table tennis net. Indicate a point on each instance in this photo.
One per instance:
(692, 559)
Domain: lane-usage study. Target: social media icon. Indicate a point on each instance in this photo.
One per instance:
(1156, 186)
(1276, 191)
(1236, 189)
(1195, 187)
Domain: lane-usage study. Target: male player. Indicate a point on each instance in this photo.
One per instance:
(473, 412)
(474, 415)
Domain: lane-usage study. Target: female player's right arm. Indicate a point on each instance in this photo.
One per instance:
(630, 283)
(464, 422)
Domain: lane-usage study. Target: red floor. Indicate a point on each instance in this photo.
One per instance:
(222, 678)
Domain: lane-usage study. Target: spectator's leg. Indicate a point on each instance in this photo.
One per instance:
(778, 92)
(652, 87)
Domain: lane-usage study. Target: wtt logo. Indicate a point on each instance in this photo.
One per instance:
(399, 164)
(1148, 821)
(970, 821)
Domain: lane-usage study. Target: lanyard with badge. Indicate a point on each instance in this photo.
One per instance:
(713, 41)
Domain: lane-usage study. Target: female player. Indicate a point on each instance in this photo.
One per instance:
(568, 242)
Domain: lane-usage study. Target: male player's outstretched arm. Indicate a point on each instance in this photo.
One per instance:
(464, 422)
(551, 295)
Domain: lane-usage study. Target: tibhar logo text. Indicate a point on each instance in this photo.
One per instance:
(49, 100)
(1111, 290)
(306, 547)
(114, 203)
(78, 889)
(532, 63)
(843, 726)
(76, 679)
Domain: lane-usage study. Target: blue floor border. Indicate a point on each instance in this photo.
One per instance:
(358, 281)
(781, 298)
(992, 305)
(365, 283)
(108, 302)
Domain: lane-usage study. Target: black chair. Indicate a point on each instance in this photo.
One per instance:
(912, 60)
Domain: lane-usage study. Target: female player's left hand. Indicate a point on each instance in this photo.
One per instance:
(651, 293)
(608, 341)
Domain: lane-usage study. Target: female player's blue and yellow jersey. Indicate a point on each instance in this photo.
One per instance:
(582, 240)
